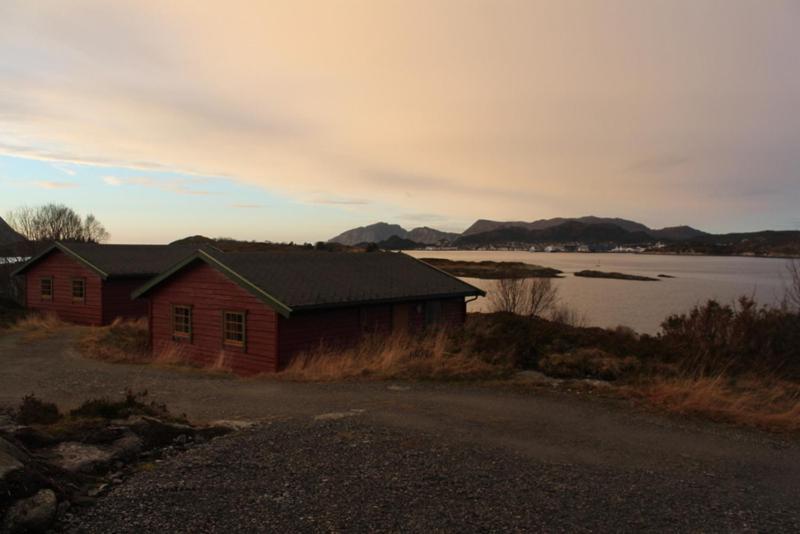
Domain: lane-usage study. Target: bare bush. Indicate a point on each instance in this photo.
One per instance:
(714, 339)
(523, 296)
(56, 222)
(568, 316)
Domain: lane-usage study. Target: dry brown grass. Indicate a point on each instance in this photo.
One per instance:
(768, 404)
(430, 357)
(123, 341)
(35, 326)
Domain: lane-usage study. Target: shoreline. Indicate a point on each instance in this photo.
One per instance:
(698, 255)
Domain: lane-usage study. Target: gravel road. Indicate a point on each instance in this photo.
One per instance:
(420, 457)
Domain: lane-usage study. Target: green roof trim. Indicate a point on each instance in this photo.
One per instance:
(235, 277)
(66, 250)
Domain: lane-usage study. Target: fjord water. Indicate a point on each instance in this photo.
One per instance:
(641, 305)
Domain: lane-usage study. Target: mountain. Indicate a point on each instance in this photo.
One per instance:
(396, 243)
(677, 233)
(672, 233)
(8, 236)
(764, 243)
(566, 232)
(380, 232)
(430, 236)
(374, 233)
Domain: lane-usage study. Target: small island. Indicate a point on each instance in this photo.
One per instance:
(492, 270)
(615, 276)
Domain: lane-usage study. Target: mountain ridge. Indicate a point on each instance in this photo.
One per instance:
(424, 235)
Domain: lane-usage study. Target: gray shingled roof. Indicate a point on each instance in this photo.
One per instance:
(121, 261)
(310, 279)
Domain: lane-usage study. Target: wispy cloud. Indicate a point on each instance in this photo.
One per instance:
(183, 186)
(65, 170)
(339, 201)
(47, 184)
(246, 206)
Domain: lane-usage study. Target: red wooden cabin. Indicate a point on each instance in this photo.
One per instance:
(91, 284)
(255, 310)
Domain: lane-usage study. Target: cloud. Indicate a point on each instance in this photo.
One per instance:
(65, 170)
(246, 206)
(450, 108)
(339, 201)
(182, 186)
(47, 184)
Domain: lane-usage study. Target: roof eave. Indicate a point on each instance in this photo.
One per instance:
(413, 298)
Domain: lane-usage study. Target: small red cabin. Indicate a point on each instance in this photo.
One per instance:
(91, 284)
(255, 310)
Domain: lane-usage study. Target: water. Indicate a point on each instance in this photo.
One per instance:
(641, 305)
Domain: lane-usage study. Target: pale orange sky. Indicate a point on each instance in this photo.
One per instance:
(438, 112)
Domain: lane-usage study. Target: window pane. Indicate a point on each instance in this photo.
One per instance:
(233, 328)
(78, 289)
(182, 320)
(46, 287)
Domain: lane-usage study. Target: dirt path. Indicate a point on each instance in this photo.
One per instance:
(574, 452)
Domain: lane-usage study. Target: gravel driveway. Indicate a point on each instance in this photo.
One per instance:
(420, 457)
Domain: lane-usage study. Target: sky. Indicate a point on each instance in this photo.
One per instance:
(295, 120)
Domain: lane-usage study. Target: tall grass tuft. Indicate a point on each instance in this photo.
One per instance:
(123, 341)
(35, 326)
(435, 356)
(753, 401)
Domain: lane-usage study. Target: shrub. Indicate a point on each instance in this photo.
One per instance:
(524, 340)
(34, 411)
(715, 339)
(121, 341)
(523, 296)
(588, 363)
(132, 404)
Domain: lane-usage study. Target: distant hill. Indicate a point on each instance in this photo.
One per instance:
(764, 243)
(396, 243)
(430, 236)
(566, 232)
(590, 230)
(675, 232)
(9, 236)
(496, 232)
(374, 233)
(380, 232)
